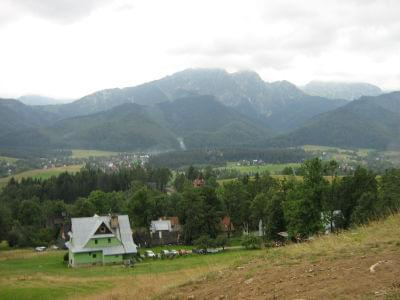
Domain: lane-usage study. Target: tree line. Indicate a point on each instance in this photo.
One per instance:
(30, 210)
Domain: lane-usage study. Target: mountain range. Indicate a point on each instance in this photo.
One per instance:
(341, 90)
(204, 108)
(369, 122)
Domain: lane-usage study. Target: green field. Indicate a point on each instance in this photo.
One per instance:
(41, 173)
(8, 159)
(80, 153)
(271, 168)
(25, 274)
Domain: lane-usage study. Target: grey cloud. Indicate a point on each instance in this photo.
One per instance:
(60, 11)
(368, 27)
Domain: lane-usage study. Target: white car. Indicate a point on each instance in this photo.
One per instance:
(174, 252)
(150, 254)
(165, 253)
(40, 249)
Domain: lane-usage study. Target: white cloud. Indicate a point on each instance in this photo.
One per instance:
(68, 48)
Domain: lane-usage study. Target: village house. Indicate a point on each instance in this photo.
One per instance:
(226, 225)
(164, 231)
(198, 182)
(100, 240)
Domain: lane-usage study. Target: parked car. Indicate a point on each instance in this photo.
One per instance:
(165, 253)
(149, 254)
(212, 250)
(40, 249)
(183, 252)
(173, 252)
(199, 251)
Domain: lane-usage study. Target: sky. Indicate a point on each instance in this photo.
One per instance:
(70, 48)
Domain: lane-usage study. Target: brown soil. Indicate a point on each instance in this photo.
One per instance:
(326, 278)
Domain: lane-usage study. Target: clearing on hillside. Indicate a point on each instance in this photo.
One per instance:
(41, 173)
(361, 264)
(81, 153)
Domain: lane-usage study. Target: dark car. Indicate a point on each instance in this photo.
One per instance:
(199, 251)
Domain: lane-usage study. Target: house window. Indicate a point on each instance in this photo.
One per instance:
(109, 240)
(94, 255)
(95, 241)
(90, 253)
(116, 255)
(102, 229)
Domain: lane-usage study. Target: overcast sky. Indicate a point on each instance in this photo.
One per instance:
(69, 48)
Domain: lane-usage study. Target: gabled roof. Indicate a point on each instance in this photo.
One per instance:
(83, 229)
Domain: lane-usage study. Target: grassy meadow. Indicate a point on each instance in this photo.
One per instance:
(8, 159)
(81, 153)
(271, 168)
(25, 274)
(41, 173)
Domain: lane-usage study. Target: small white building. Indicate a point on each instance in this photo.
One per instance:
(160, 226)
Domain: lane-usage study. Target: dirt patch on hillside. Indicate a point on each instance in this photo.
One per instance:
(324, 278)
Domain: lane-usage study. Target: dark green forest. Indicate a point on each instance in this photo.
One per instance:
(31, 210)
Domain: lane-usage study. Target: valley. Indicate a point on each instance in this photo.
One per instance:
(199, 149)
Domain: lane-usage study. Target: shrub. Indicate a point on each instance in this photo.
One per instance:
(204, 242)
(251, 242)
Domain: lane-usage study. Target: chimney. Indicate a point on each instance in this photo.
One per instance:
(114, 221)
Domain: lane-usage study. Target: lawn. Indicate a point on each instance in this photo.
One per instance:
(271, 168)
(80, 153)
(25, 274)
(41, 173)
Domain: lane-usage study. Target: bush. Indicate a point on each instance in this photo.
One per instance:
(204, 242)
(13, 238)
(251, 242)
(222, 241)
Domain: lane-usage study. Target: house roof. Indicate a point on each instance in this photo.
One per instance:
(83, 229)
(160, 225)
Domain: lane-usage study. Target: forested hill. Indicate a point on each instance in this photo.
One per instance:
(370, 122)
(15, 115)
(192, 122)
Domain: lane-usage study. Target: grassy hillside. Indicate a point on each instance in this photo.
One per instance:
(27, 274)
(321, 269)
(41, 173)
(329, 267)
(8, 159)
(80, 153)
(271, 168)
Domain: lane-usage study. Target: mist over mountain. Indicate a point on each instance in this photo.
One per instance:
(341, 90)
(41, 100)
